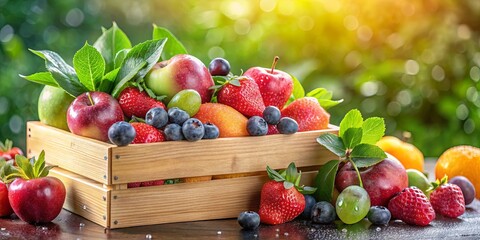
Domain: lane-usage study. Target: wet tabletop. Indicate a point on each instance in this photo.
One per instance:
(71, 226)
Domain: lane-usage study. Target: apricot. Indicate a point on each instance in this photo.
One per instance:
(409, 155)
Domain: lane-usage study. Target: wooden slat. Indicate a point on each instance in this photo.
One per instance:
(215, 199)
(84, 197)
(181, 159)
(84, 156)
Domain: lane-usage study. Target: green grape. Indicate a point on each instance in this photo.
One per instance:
(352, 204)
(188, 100)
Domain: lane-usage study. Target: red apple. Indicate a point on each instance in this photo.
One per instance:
(180, 72)
(92, 113)
(275, 86)
(382, 181)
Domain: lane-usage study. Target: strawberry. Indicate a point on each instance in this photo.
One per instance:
(281, 199)
(152, 183)
(7, 150)
(146, 133)
(412, 207)
(134, 184)
(272, 129)
(308, 113)
(447, 199)
(242, 94)
(137, 103)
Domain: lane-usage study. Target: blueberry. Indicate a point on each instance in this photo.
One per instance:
(157, 117)
(249, 220)
(323, 212)
(379, 215)
(211, 131)
(177, 115)
(219, 67)
(173, 132)
(193, 129)
(287, 125)
(272, 115)
(121, 133)
(309, 203)
(257, 126)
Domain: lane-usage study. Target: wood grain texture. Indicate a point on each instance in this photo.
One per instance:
(85, 197)
(84, 156)
(215, 199)
(181, 159)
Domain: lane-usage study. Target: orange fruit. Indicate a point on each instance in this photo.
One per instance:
(409, 155)
(460, 161)
(230, 122)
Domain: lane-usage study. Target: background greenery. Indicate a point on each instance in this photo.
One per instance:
(415, 63)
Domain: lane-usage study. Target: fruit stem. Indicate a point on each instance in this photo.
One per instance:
(90, 98)
(275, 60)
(358, 173)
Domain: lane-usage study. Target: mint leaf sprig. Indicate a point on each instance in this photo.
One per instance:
(323, 96)
(355, 143)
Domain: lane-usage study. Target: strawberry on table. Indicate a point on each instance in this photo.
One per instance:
(308, 113)
(242, 94)
(282, 198)
(137, 103)
(8, 151)
(146, 133)
(6, 169)
(447, 199)
(412, 207)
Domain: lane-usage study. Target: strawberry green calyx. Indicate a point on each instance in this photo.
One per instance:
(7, 146)
(438, 183)
(30, 168)
(6, 168)
(290, 178)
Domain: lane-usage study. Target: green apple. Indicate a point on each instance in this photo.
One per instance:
(52, 107)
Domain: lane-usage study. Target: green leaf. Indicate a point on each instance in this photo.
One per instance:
(352, 137)
(274, 175)
(63, 73)
(365, 155)
(108, 80)
(25, 169)
(373, 130)
(307, 190)
(288, 185)
(298, 91)
(173, 45)
(120, 57)
(325, 181)
(324, 97)
(327, 103)
(333, 143)
(353, 119)
(110, 43)
(90, 66)
(44, 78)
(139, 60)
(292, 173)
(39, 164)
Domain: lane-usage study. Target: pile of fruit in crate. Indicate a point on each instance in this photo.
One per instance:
(155, 91)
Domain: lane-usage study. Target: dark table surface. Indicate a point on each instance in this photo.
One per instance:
(71, 226)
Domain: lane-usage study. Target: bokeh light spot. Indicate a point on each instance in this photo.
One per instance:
(404, 97)
(395, 40)
(394, 108)
(6, 33)
(268, 5)
(472, 94)
(215, 52)
(463, 32)
(469, 126)
(214, 36)
(15, 124)
(438, 73)
(353, 59)
(462, 112)
(350, 22)
(287, 7)
(74, 17)
(412, 67)
(332, 5)
(369, 88)
(364, 33)
(242, 26)
(51, 34)
(235, 10)
(4, 105)
(428, 56)
(475, 73)
(369, 105)
(306, 23)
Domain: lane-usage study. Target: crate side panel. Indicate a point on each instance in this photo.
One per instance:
(84, 197)
(84, 156)
(185, 202)
(216, 157)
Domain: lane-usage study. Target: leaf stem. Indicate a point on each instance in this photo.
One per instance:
(358, 172)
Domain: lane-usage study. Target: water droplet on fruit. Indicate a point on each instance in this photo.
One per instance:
(286, 234)
(148, 236)
(356, 208)
(277, 235)
(278, 230)
(82, 224)
(378, 229)
(344, 230)
(44, 228)
(3, 229)
(340, 203)
(219, 232)
(255, 235)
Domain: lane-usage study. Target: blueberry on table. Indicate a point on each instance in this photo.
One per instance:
(177, 115)
(379, 215)
(287, 126)
(249, 220)
(211, 131)
(219, 67)
(257, 126)
(121, 133)
(193, 129)
(173, 132)
(309, 203)
(272, 115)
(156, 117)
(323, 212)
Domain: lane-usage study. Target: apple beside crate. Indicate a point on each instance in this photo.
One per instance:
(96, 174)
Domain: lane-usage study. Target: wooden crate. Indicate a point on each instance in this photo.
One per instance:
(96, 174)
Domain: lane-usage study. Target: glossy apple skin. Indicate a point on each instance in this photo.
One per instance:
(181, 72)
(93, 121)
(382, 181)
(275, 87)
(38, 200)
(5, 209)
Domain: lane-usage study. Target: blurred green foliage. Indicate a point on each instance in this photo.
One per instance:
(415, 63)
